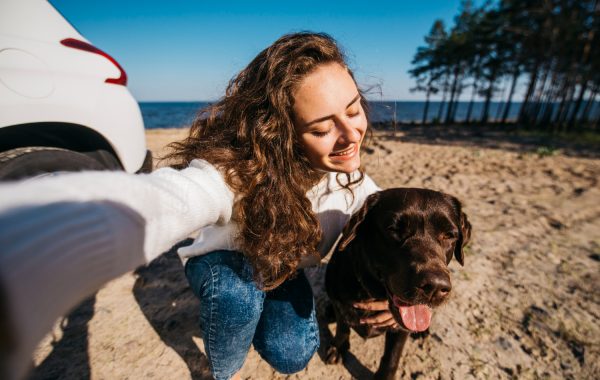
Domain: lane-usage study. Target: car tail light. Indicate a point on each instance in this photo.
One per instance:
(82, 45)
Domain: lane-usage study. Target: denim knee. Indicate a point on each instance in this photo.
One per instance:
(230, 307)
(291, 352)
(223, 279)
(287, 335)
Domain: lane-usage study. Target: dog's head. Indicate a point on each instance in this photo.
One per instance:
(408, 237)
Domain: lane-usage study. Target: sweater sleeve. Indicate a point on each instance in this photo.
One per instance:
(173, 204)
(52, 257)
(63, 237)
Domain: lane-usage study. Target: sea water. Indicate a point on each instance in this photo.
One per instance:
(181, 114)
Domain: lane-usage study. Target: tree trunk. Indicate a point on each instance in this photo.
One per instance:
(488, 97)
(547, 104)
(523, 112)
(587, 48)
(537, 101)
(456, 102)
(452, 95)
(470, 109)
(575, 110)
(441, 109)
(513, 85)
(592, 102)
(499, 109)
(556, 88)
(566, 102)
(501, 102)
(585, 117)
(444, 93)
(426, 109)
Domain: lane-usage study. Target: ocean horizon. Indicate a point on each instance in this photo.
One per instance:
(181, 114)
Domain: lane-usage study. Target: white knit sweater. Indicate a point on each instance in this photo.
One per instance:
(63, 237)
(332, 204)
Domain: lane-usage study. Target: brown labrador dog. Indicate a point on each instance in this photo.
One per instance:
(397, 247)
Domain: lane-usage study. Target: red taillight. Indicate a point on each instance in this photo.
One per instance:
(82, 45)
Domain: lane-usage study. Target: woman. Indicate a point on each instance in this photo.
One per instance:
(289, 119)
(272, 173)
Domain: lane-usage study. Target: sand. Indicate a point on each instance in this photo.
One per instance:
(525, 305)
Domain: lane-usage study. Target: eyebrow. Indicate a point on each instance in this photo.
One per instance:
(330, 116)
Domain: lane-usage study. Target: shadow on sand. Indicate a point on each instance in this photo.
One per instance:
(494, 137)
(326, 317)
(69, 358)
(163, 294)
(354, 367)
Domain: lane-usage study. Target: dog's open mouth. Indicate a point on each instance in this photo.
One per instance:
(414, 318)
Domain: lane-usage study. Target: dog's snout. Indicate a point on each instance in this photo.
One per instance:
(435, 285)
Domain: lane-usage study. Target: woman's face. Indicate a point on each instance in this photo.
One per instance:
(329, 119)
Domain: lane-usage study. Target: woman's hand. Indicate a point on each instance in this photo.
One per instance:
(382, 319)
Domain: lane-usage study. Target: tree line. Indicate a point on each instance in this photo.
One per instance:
(549, 48)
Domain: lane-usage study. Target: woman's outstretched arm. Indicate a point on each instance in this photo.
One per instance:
(63, 237)
(172, 203)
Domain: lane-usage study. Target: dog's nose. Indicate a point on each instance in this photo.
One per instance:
(435, 285)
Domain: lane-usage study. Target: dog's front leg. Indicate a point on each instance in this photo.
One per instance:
(394, 343)
(341, 343)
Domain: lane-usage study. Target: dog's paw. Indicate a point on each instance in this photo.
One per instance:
(333, 355)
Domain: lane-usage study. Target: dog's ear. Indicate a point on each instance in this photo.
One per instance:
(463, 239)
(350, 229)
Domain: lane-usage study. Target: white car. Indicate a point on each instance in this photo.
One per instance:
(64, 104)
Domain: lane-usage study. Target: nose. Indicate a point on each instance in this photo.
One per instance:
(348, 133)
(435, 285)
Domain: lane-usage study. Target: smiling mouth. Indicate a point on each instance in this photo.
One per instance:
(345, 152)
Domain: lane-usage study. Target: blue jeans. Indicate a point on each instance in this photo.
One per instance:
(234, 313)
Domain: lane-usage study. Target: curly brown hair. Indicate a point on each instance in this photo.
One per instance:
(249, 135)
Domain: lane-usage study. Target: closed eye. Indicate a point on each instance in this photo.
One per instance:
(353, 113)
(320, 133)
(354, 110)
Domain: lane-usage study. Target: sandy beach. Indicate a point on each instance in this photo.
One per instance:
(526, 304)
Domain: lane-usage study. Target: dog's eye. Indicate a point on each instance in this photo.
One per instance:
(397, 233)
(449, 236)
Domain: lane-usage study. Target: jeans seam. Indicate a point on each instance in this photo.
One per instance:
(211, 342)
(314, 326)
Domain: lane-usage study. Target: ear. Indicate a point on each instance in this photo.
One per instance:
(351, 228)
(463, 239)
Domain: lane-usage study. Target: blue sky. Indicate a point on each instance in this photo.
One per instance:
(188, 50)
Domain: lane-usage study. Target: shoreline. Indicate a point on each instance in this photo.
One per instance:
(509, 137)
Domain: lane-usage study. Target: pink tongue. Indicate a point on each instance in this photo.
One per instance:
(415, 318)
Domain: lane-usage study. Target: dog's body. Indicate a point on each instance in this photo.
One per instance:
(395, 248)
